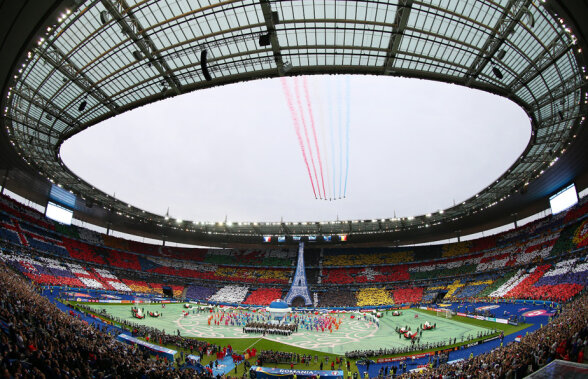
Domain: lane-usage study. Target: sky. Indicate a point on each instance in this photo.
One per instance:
(388, 147)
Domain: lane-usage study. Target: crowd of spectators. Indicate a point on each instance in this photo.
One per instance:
(374, 296)
(40, 341)
(263, 296)
(565, 337)
(337, 298)
(415, 346)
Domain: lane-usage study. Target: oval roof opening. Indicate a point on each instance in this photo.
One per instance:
(250, 151)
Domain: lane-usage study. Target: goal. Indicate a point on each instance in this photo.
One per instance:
(447, 313)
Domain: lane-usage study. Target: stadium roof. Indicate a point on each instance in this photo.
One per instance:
(68, 65)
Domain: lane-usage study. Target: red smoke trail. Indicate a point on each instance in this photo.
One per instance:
(297, 128)
(297, 92)
(318, 151)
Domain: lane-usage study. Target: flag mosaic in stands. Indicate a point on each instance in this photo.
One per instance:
(377, 295)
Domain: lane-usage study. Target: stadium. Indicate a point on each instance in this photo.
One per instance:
(439, 294)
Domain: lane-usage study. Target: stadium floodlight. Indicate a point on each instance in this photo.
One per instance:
(497, 72)
(500, 54)
(104, 17)
(82, 105)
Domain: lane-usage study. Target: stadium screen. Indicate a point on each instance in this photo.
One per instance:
(58, 213)
(563, 199)
(60, 196)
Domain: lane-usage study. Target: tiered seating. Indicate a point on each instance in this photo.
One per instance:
(337, 298)
(537, 249)
(522, 290)
(474, 262)
(565, 242)
(481, 244)
(144, 248)
(377, 274)
(91, 236)
(340, 276)
(472, 289)
(110, 280)
(563, 281)
(124, 260)
(577, 211)
(312, 275)
(407, 295)
(250, 275)
(83, 251)
(263, 296)
(24, 213)
(312, 257)
(581, 235)
(43, 270)
(496, 284)
(177, 290)
(455, 249)
(429, 296)
(373, 296)
(195, 292)
(202, 272)
(509, 284)
(267, 258)
(452, 288)
(230, 294)
(365, 257)
(445, 268)
(498, 258)
(5, 219)
(70, 231)
(39, 231)
(184, 253)
(157, 288)
(116, 243)
(9, 235)
(90, 280)
(137, 285)
(47, 246)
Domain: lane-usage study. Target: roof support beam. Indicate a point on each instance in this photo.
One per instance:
(270, 22)
(33, 96)
(505, 26)
(132, 27)
(17, 115)
(554, 51)
(59, 60)
(565, 87)
(400, 22)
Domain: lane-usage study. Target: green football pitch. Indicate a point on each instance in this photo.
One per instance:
(352, 334)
